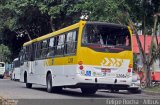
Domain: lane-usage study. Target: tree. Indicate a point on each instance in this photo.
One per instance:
(23, 20)
(152, 56)
(4, 53)
(142, 11)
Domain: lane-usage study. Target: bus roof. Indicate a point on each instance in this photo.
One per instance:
(107, 24)
(54, 33)
(16, 59)
(70, 28)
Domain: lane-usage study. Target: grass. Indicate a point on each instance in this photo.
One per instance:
(153, 89)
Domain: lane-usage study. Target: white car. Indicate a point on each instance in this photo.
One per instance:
(2, 69)
(135, 85)
(133, 88)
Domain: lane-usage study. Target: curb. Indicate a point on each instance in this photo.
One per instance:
(150, 92)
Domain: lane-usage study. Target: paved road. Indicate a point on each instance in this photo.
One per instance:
(16, 90)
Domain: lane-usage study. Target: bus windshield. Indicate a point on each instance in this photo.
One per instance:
(106, 37)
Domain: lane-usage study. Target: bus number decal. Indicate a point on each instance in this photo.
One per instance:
(70, 60)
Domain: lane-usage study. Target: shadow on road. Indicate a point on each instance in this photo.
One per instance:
(120, 92)
(75, 93)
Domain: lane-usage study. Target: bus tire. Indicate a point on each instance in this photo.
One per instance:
(49, 83)
(28, 85)
(134, 91)
(88, 90)
(57, 89)
(2, 77)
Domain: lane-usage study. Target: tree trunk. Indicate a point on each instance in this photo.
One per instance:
(138, 41)
(51, 24)
(148, 75)
(29, 37)
(154, 29)
(146, 62)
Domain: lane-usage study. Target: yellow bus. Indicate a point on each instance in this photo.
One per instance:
(86, 55)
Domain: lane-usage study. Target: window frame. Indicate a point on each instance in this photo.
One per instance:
(38, 47)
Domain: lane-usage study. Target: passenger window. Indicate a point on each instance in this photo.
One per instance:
(60, 45)
(38, 49)
(51, 47)
(71, 43)
(44, 48)
(51, 42)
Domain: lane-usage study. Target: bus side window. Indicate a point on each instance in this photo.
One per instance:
(75, 37)
(44, 49)
(35, 47)
(71, 43)
(68, 42)
(23, 54)
(38, 49)
(26, 53)
(21, 57)
(30, 52)
(60, 45)
(51, 48)
(55, 44)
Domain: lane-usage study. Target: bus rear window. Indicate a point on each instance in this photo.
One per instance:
(1, 64)
(106, 38)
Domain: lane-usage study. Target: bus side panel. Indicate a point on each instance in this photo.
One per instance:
(63, 69)
(16, 73)
(26, 68)
(37, 74)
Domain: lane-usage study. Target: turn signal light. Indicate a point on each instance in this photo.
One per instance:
(130, 66)
(80, 62)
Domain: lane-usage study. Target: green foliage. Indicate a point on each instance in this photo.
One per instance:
(7, 18)
(4, 53)
(142, 11)
(34, 18)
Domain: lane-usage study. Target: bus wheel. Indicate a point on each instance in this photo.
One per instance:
(57, 89)
(2, 77)
(88, 90)
(134, 91)
(49, 83)
(28, 85)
